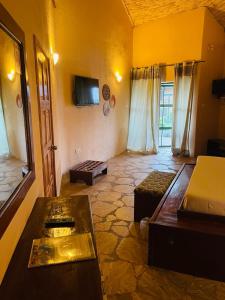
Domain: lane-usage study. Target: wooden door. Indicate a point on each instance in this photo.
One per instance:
(45, 116)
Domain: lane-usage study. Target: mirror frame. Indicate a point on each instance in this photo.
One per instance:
(11, 206)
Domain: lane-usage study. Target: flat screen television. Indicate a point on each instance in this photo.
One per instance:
(85, 91)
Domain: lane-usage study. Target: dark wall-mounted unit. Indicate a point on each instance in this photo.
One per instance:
(218, 88)
(216, 147)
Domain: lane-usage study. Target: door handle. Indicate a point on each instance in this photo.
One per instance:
(53, 148)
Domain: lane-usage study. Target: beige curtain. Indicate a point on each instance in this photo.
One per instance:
(184, 101)
(144, 110)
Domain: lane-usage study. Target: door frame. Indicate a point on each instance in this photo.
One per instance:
(37, 46)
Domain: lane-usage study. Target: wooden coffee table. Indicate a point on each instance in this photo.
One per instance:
(87, 171)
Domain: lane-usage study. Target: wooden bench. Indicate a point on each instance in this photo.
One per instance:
(148, 194)
(87, 171)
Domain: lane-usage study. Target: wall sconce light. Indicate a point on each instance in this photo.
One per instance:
(55, 57)
(118, 77)
(11, 75)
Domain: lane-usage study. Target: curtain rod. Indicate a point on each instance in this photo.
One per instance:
(170, 65)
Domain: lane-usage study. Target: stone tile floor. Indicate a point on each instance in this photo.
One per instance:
(122, 244)
(10, 176)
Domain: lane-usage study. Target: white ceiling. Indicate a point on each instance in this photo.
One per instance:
(143, 11)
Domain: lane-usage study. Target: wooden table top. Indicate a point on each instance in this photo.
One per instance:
(76, 280)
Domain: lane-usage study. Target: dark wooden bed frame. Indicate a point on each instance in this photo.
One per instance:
(186, 244)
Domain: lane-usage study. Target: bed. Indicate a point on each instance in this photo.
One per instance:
(186, 244)
(205, 193)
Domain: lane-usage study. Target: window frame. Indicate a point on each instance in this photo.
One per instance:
(164, 84)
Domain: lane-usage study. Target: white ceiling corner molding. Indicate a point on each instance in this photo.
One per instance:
(143, 11)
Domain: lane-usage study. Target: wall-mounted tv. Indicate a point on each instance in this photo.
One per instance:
(85, 91)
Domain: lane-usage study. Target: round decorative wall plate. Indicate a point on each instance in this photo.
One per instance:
(112, 101)
(106, 109)
(106, 92)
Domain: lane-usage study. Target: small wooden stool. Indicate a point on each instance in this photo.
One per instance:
(148, 194)
(87, 171)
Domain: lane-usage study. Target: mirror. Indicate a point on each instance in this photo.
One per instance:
(16, 155)
(13, 151)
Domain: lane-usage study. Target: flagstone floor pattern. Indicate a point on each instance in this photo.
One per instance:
(10, 176)
(122, 244)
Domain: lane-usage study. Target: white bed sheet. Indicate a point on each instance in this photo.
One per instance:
(206, 189)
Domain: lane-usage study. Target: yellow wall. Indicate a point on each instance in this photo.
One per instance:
(187, 36)
(33, 17)
(14, 118)
(94, 39)
(13, 115)
(169, 40)
(208, 107)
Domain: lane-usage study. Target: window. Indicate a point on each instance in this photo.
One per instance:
(166, 114)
